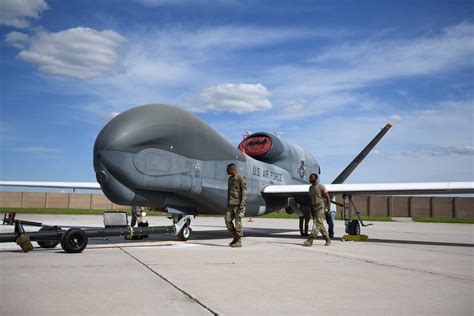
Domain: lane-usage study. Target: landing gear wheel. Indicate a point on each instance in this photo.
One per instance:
(354, 228)
(185, 232)
(47, 243)
(74, 240)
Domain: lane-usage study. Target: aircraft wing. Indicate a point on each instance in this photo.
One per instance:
(58, 185)
(375, 189)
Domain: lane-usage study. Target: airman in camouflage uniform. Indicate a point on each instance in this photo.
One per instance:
(236, 197)
(318, 195)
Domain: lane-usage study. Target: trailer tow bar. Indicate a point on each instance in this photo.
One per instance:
(75, 240)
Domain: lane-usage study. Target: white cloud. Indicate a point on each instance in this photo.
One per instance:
(394, 58)
(395, 118)
(36, 150)
(347, 68)
(294, 106)
(218, 40)
(440, 151)
(162, 3)
(17, 39)
(107, 116)
(17, 12)
(428, 112)
(81, 53)
(238, 98)
(170, 65)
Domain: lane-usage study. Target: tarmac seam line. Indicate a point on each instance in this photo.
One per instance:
(377, 263)
(169, 282)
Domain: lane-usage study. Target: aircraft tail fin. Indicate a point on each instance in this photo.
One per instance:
(361, 156)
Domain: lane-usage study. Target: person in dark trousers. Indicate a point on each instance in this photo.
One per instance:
(304, 223)
(331, 216)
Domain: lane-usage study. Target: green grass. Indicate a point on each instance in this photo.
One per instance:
(375, 218)
(444, 220)
(338, 217)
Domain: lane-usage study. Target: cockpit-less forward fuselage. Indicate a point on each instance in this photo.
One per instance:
(163, 156)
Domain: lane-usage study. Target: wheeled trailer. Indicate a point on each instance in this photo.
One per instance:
(75, 240)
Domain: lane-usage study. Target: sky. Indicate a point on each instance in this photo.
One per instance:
(327, 75)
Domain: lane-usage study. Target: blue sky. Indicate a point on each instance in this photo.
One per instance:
(327, 74)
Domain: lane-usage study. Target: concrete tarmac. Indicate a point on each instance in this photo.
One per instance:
(405, 268)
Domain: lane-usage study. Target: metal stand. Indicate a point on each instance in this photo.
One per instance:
(352, 226)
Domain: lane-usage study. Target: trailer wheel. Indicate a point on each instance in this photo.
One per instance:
(354, 228)
(74, 240)
(184, 233)
(47, 243)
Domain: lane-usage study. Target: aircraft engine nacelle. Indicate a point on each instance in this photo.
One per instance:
(264, 147)
(272, 149)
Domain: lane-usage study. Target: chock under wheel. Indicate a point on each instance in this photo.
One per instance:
(355, 237)
(24, 242)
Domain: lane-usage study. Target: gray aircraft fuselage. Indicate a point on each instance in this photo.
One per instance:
(164, 156)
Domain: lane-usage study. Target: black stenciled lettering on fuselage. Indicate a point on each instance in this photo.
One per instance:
(275, 176)
(267, 174)
(256, 171)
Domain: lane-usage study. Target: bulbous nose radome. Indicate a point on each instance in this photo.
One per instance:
(125, 135)
(150, 132)
(139, 128)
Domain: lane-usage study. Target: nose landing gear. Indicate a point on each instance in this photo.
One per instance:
(182, 224)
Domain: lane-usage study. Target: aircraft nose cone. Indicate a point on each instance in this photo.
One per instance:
(155, 126)
(100, 176)
(112, 177)
(138, 128)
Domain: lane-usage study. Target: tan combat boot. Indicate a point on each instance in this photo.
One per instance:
(237, 244)
(233, 241)
(309, 242)
(328, 242)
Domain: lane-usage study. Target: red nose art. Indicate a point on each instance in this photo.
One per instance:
(256, 146)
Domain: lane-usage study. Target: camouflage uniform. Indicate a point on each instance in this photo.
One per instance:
(236, 196)
(317, 193)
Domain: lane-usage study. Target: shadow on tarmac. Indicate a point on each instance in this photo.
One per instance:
(248, 232)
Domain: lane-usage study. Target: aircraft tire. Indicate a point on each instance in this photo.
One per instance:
(184, 233)
(354, 228)
(47, 243)
(74, 240)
